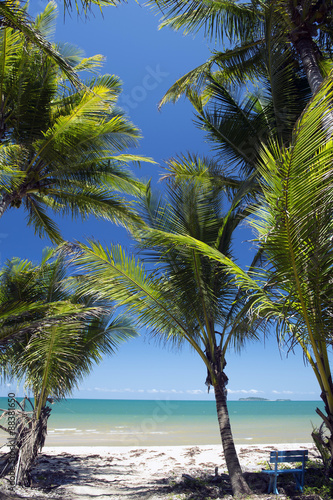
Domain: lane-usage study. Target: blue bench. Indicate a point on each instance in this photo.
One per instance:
(278, 457)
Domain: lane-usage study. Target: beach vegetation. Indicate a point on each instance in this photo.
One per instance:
(268, 44)
(50, 342)
(317, 482)
(62, 149)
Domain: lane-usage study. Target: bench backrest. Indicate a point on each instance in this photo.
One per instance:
(289, 456)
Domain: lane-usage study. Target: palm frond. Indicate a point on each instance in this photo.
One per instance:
(45, 22)
(37, 218)
(234, 67)
(220, 19)
(209, 173)
(124, 280)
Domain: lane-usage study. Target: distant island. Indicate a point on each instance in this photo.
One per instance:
(253, 399)
(261, 399)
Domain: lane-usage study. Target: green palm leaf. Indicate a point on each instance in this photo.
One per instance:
(219, 18)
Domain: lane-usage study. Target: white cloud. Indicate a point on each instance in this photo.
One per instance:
(142, 391)
(244, 391)
(298, 393)
(106, 389)
(163, 391)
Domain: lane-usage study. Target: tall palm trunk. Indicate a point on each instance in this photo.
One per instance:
(307, 52)
(238, 483)
(304, 44)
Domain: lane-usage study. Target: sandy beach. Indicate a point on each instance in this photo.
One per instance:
(145, 473)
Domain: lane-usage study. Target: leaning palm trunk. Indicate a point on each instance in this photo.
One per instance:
(307, 51)
(238, 483)
(28, 439)
(31, 442)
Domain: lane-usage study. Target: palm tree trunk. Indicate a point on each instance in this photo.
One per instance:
(238, 484)
(327, 438)
(32, 442)
(306, 49)
(28, 441)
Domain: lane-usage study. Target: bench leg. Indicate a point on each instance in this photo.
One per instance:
(299, 478)
(275, 490)
(272, 487)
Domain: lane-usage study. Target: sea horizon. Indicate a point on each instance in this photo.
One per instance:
(133, 422)
(191, 400)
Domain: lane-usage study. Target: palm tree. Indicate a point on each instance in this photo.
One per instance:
(304, 29)
(293, 221)
(53, 348)
(296, 234)
(187, 298)
(61, 149)
(291, 36)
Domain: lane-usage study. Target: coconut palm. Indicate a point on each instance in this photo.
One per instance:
(61, 149)
(57, 346)
(303, 28)
(293, 221)
(296, 234)
(186, 298)
(288, 36)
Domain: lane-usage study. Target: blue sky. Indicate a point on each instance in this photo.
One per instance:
(149, 61)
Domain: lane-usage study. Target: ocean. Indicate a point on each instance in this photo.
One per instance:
(102, 422)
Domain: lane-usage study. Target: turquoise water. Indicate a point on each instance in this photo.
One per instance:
(100, 422)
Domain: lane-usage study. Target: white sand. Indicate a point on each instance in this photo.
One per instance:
(145, 473)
